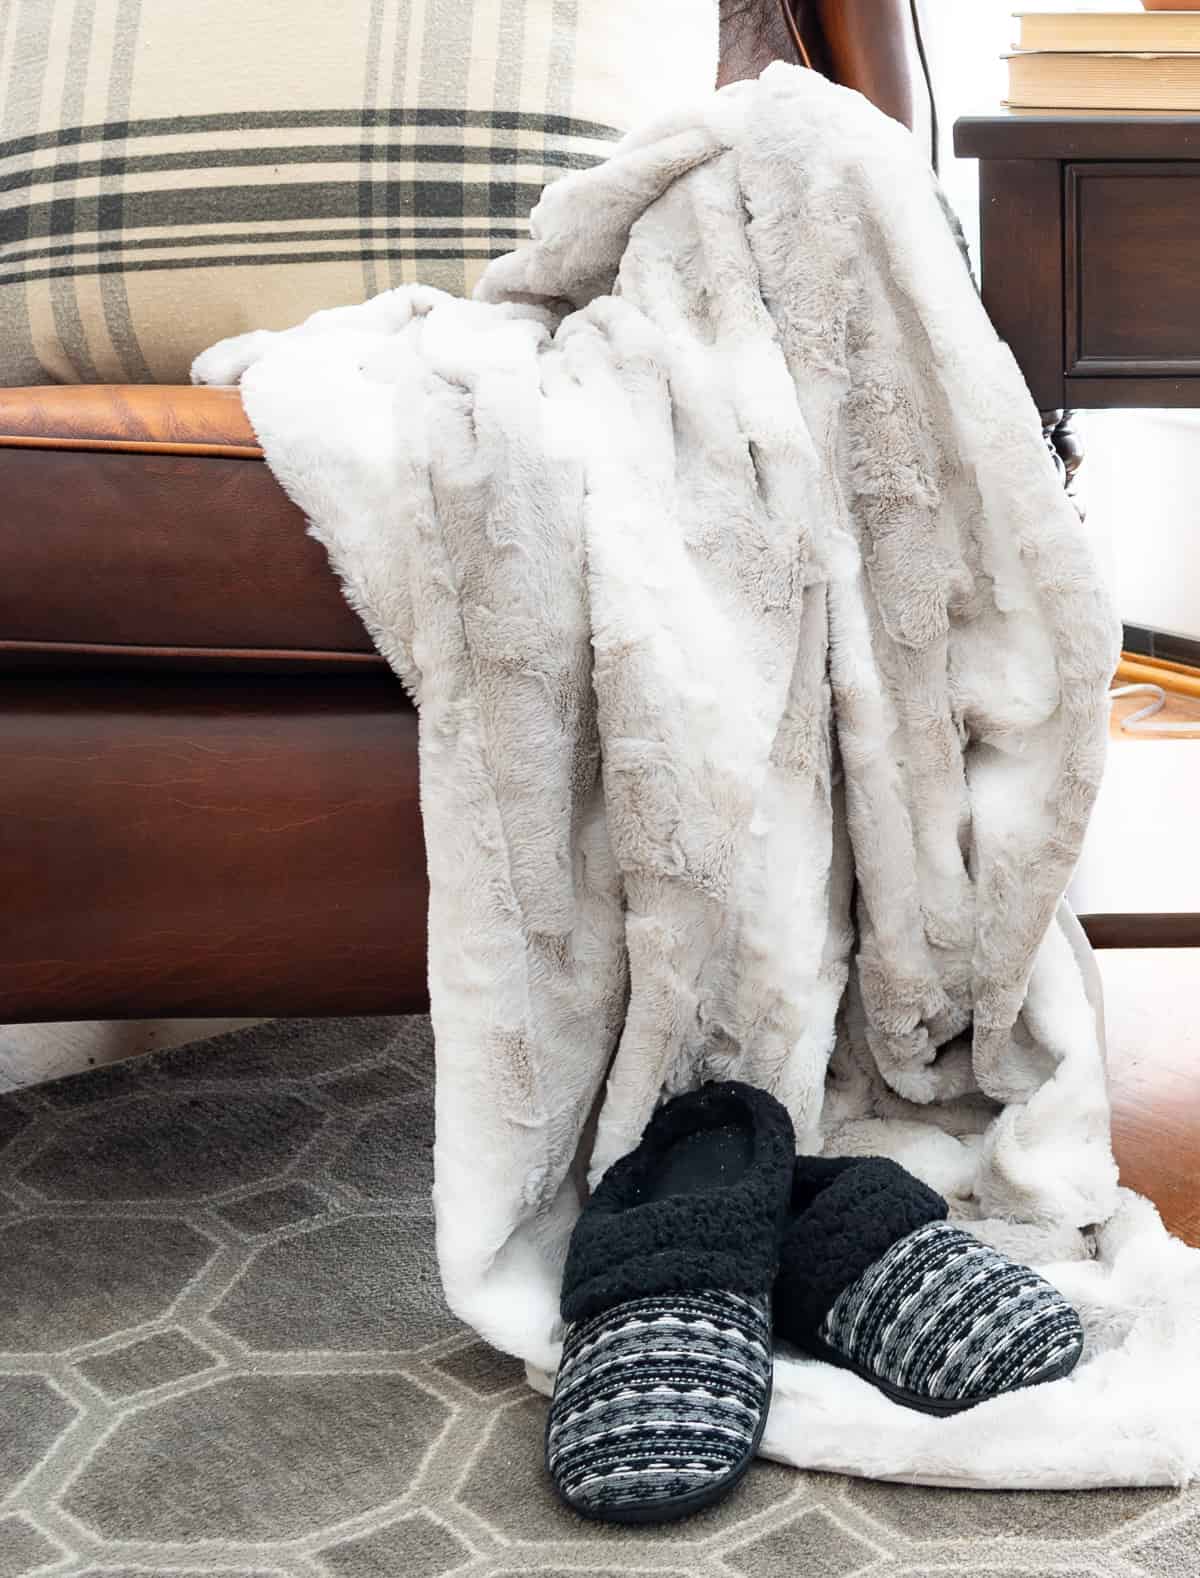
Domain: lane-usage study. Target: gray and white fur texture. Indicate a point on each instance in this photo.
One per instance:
(761, 665)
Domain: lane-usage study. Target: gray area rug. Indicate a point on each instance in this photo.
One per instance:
(223, 1350)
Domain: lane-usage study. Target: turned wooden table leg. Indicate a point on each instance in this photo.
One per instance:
(1066, 448)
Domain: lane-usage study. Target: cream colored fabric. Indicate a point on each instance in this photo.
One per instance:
(172, 173)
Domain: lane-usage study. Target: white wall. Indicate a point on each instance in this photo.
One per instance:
(1142, 468)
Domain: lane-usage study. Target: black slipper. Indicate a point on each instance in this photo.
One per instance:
(873, 1278)
(665, 1379)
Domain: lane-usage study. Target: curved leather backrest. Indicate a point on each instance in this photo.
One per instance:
(873, 46)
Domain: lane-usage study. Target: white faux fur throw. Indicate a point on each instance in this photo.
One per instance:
(761, 665)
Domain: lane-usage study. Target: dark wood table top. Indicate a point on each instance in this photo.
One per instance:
(1078, 134)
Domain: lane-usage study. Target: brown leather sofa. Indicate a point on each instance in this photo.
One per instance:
(208, 779)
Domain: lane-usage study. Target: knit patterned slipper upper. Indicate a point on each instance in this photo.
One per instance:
(665, 1379)
(873, 1278)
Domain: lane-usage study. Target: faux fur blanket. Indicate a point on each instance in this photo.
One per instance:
(761, 666)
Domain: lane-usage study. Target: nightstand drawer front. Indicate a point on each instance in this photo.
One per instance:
(1132, 236)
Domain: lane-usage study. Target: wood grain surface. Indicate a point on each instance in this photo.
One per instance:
(1150, 1002)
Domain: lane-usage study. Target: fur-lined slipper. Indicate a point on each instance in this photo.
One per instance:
(665, 1379)
(874, 1279)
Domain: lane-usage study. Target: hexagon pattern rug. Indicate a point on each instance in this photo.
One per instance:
(223, 1350)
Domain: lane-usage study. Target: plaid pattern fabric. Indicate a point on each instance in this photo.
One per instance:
(173, 174)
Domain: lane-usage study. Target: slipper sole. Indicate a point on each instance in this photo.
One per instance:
(939, 1406)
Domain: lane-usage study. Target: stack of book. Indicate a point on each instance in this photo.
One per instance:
(1106, 60)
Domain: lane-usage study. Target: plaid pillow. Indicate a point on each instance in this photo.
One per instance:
(172, 173)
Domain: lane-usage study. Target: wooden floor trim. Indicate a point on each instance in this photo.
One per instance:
(1176, 677)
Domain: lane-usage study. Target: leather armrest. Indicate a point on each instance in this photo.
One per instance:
(138, 418)
(139, 525)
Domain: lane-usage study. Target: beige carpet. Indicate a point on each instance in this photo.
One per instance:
(223, 1350)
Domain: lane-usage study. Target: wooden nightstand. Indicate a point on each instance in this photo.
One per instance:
(1090, 253)
(1090, 263)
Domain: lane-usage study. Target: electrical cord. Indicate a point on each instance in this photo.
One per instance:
(1136, 722)
(793, 27)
